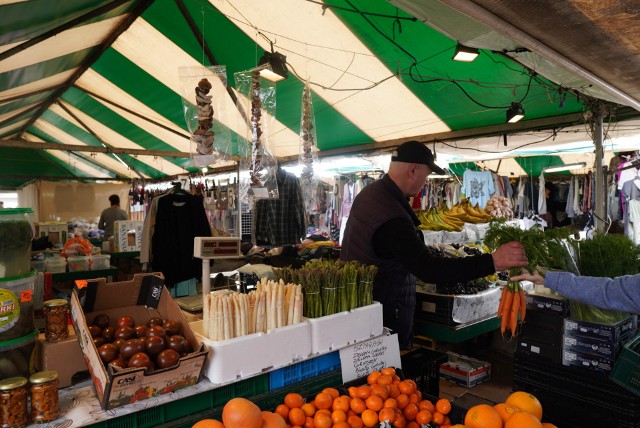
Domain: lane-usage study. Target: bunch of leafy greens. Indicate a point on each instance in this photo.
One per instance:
(605, 256)
(548, 248)
(609, 256)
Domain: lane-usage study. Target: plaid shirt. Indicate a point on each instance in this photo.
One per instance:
(281, 221)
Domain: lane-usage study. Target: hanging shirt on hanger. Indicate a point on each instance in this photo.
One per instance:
(542, 196)
(477, 186)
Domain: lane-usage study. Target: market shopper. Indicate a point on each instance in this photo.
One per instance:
(110, 215)
(381, 230)
(621, 293)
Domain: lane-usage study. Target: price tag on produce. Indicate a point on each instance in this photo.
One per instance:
(374, 354)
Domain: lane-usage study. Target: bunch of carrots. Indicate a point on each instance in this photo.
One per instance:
(513, 305)
(547, 248)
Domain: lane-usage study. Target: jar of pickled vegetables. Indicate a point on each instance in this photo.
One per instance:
(45, 405)
(56, 312)
(13, 402)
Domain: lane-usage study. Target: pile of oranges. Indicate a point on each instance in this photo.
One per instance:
(519, 410)
(385, 399)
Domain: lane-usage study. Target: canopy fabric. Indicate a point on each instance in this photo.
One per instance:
(104, 76)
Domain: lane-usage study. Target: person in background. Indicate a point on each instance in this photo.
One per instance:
(111, 215)
(621, 293)
(381, 230)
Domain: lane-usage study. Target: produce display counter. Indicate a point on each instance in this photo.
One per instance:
(79, 404)
(455, 333)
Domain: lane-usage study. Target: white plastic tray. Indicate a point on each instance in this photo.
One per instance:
(241, 357)
(336, 331)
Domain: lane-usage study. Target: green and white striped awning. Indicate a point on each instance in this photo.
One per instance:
(93, 74)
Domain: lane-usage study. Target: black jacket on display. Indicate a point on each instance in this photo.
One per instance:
(180, 218)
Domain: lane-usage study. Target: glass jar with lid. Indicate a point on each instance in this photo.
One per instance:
(45, 405)
(13, 402)
(56, 326)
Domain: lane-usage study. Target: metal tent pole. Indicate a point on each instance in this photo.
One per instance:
(600, 199)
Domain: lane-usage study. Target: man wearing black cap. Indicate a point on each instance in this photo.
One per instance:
(381, 230)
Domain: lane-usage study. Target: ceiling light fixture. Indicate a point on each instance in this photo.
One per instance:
(566, 167)
(515, 112)
(276, 69)
(465, 53)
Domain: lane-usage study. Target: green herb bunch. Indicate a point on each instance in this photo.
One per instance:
(15, 235)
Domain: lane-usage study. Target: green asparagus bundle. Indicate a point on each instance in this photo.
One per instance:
(366, 273)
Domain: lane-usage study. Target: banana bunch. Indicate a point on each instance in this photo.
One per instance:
(452, 220)
(440, 218)
(470, 213)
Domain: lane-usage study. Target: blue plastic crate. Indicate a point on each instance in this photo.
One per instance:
(304, 370)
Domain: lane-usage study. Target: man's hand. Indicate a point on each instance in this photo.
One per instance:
(535, 277)
(509, 255)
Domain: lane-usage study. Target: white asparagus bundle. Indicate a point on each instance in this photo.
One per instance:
(272, 305)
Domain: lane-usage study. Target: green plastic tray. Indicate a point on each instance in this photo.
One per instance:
(626, 371)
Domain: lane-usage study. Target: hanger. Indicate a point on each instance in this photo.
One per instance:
(177, 188)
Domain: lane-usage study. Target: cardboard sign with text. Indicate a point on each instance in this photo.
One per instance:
(374, 354)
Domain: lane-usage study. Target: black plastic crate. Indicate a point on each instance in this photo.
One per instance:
(435, 307)
(570, 411)
(588, 385)
(423, 366)
(548, 304)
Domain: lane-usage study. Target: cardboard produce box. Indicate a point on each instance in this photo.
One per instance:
(465, 371)
(142, 298)
(64, 356)
(127, 236)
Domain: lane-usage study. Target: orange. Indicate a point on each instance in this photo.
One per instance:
(372, 379)
(374, 403)
(341, 403)
(353, 391)
(325, 411)
(413, 424)
(424, 417)
(394, 390)
(283, 411)
(342, 424)
(293, 399)
(241, 413)
(363, 391)
(322, 401)
(334, 393)
(406, 387)
(338, 416)
(413, 398)
(443, 406)
(308, 423)
(309, 409)
(381, 391)
(399, 421)
(506, 410)
(297, 416)
(438, 418)
(322, 420)
(357, 405)
(385, 379)
(482, 416)
(355, 421)
(523, 420)
(391, 402)
(402, 400)
(525, 402)
(419, 394)
(426, 405)
(272, 420)
(388, 371)
(208, 423)
(369, 418)
(548, 425)
(386, 414)
(410, 411)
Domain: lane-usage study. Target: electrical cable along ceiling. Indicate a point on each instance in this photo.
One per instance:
(100, 79)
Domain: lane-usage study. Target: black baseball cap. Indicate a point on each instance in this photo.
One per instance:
(416, 152)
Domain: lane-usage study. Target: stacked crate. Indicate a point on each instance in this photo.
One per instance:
(579, 392)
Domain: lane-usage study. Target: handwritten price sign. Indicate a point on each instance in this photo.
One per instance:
(374, 354)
